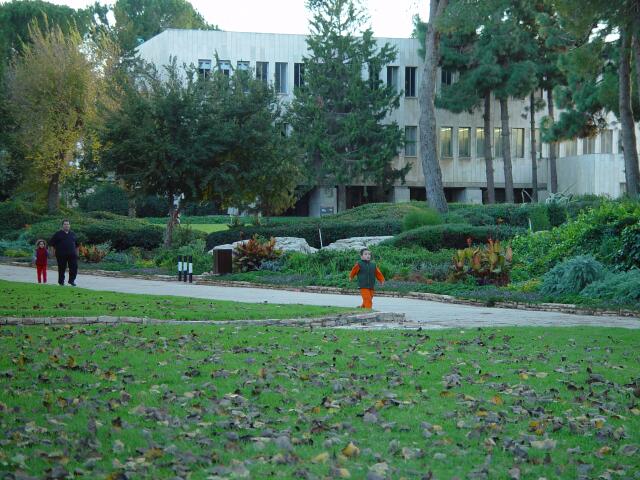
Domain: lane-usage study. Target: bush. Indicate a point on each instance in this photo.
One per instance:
(107, 197)
(629, 253)
(539, 218)
(249, 256)
(331, 231)
(15, 215)
(437, 237)
(598, 232)
(16, 248)
(503, 213)
(122, 232)
(421, 218)
(557, 213)
(94, 253)
(152, 206)
(489, 265)
(572, 276)
(168, 257)
(621, 288)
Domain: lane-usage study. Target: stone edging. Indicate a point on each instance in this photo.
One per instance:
(434, 297)
(328, 321)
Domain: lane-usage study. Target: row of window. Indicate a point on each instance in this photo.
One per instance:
(280, 75)
(445, 141)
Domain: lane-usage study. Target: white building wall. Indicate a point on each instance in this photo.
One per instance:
(592, 174)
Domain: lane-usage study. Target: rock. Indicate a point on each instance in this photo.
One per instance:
(356, 243)
(286, 244)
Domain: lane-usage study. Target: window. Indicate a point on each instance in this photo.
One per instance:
(410, 141)
(480, 142)
(497, 142)
(607, 141)
(410, 81)
(243, 66)
(464, 142)
(204, 68)
(446, 141)
(281, 77)
(262, 71)
(392, 78)
(518, 134)
(571, 148)
(284, 129)
(298, 75)
(588, 145)
(225, 67)
(446, 77)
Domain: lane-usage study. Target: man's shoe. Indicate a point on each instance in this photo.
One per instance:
(73, 284)
(61, 284)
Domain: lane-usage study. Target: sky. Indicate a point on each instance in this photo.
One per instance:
(388, 18)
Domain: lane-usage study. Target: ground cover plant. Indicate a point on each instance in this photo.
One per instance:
(210, 402)
(32, 300)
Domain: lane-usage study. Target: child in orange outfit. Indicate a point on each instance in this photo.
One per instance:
(367, 273)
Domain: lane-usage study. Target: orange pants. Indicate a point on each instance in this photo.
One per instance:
(367, 297)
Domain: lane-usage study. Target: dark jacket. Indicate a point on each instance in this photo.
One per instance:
(367, 273)
(64, 243)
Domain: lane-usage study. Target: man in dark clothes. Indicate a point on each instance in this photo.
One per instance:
(66, 247)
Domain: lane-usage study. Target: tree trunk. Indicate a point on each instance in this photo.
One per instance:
(427, 124)
(534, 153)
(488, 157)
(342, 198)
(553, 167)
(173, 221)
(636, 55)
(632, 176)
(53, 193)
(506, 150)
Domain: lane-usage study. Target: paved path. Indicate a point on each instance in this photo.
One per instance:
(419, 313)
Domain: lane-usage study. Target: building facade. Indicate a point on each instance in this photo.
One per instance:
(593, 165)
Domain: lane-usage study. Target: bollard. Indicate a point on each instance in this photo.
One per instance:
(190, 269)
(185, 267)
(179, 268)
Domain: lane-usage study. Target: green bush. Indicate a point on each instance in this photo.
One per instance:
(500, 213)
(452, 236)
(107, 197)
(15, 214)
(421, 218)
(16, 248)
(152, 206)
(557, 213)
(621, 288)
(598, 232)
(168, 257)
(629, 253)
(331, 231)
(122, 232)
(571, 276)
(540, 219)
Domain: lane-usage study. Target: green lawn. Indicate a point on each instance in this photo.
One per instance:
(209, 227)
(28, 299)
(211, 402)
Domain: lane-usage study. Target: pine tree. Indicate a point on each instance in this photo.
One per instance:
(339, 117)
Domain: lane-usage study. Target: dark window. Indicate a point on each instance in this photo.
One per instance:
(410, 141)
(262, 71)
(298, 74)
(281, 77)
(446, 77)
(410, 81)
(392, 78)
(204, 68)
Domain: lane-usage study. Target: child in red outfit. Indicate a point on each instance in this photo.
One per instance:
(40, 258)
(367, 273)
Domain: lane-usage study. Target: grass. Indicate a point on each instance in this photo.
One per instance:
(209, 227)
(203, 402)
(33, 300)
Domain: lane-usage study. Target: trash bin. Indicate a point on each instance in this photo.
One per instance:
(222, 261)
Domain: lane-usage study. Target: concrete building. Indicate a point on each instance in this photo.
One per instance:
(593, 165)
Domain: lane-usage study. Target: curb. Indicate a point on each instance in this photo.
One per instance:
(329, 321)
(434, 297)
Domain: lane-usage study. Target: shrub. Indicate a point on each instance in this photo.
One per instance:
(331, 231)
(437, 237)
(622, 288)
(16, 248)
(629, 253)
(122, 232)
(152, 206)
(167, 258)
(572, 275)
(557, 213)
(248, 256)
(420, 218)
(15, 215)
(94, 253)
(489, 265)
(498, 214)
(539, 218)
(107, 197)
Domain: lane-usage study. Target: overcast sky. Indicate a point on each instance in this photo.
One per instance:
(389, 18)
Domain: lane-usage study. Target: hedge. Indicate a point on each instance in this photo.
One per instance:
(122, 232)
(436, 237)
(331, 231)
(15, 215)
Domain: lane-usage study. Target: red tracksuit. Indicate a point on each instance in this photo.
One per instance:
(41, 264)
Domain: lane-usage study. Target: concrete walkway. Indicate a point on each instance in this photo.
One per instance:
(419, 313)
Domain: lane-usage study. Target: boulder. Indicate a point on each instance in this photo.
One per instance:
(357, 243)
(286, 244)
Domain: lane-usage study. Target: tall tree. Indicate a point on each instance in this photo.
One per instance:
(52, 91)
(427, 124)
(139, 20)
(217, 139)
(339, 116)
